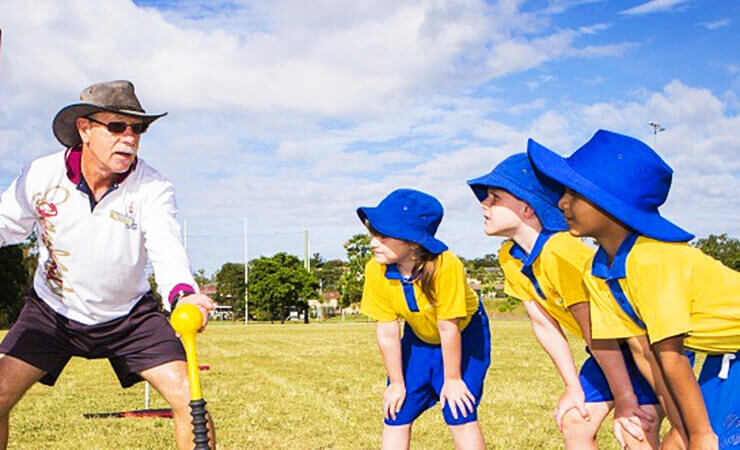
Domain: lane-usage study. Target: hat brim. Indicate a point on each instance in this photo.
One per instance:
(386, 226)
(549, 215)
(647, 223)
(64, 125)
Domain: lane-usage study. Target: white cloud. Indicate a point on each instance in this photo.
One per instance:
(716, 24)
(654, 6)
(294, 116)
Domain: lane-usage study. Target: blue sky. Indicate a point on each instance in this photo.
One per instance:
(292, 115)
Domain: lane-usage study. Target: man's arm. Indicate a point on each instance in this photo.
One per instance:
(550, 336)
(389, 343)
(684, 390)
(166, 250)
(17, 216)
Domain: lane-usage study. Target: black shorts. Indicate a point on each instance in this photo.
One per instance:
(138, 341)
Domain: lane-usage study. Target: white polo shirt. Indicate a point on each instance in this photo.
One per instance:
(91, 266)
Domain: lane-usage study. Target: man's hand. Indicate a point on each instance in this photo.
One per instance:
(631, 419)
(571, 398)
(393, 399)
(456, 394)
(203, 302)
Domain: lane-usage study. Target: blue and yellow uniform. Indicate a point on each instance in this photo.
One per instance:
(665, 289)
(552, 276)
(388, 296)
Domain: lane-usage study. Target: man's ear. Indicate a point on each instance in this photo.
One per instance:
(83, 127)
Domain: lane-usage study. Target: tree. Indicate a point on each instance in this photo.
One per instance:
(353, 278)
(17, 265)
(722, 248)
(277, 285)
(230, 290)
(200, 277)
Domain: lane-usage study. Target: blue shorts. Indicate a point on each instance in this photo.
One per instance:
(722, 399)
(423, 371)
(596, 388)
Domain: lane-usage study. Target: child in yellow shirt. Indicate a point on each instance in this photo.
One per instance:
(542, 266)
(444, 353)
(646, 280)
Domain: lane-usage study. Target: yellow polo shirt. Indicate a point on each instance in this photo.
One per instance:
(386, 296)
(556, 264)
(672, 288)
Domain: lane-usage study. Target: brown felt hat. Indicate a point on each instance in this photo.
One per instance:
(111, 96)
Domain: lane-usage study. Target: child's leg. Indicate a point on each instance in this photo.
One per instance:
(579, 433)
(468, 436)
(396, 437)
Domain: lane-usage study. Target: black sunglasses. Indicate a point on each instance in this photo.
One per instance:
(120, 127)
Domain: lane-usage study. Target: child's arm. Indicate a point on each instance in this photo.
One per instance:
(628, 415)
(389, 343)
(455, 392)
(647, 363)
(684, 389)
(550, 336)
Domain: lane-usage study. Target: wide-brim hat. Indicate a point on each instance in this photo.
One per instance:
(516, 176)
(409, 215)
(110, 96)
(621, 175)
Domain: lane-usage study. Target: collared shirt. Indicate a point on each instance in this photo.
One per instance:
(664, 289)
(387, 296)
(549, 275)
(92, 256)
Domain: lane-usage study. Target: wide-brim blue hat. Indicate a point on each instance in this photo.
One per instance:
(621, 175)
(516, 176)
(409, 215)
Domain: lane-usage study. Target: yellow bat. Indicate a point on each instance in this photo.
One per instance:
(186, 320)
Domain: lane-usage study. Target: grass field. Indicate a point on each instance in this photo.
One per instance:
(296, 386)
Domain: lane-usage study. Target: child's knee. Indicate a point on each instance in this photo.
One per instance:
(576, 426)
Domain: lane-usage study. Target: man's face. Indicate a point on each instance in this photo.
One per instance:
(583, 217)
(501, 213)
(114, 152)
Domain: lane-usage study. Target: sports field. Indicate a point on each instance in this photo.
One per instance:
(295, 386)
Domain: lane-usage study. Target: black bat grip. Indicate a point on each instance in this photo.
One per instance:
(200, 424)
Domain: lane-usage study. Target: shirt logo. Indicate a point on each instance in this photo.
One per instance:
(124, 219)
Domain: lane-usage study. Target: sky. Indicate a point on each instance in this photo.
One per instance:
(290, 114)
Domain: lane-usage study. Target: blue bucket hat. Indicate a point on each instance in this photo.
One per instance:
(409, 215)
(620, 174)
(516, 176)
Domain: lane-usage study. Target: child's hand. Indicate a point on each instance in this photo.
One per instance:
(393, 399)
(631, 419)
(456, 394)
(571, 398)
(704, 442)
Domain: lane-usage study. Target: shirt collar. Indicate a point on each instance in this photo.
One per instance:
(392, 273)
(73, 163)
(518, 252)
(618, 269)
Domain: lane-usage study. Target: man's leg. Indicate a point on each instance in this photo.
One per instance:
(16, 377)
(580, 433)
(171, 380)
(396, 437)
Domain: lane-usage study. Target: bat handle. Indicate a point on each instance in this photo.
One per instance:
(200, 424)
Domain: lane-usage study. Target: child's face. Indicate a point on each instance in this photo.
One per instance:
(583, 217)
(388, 250)
(501, 213)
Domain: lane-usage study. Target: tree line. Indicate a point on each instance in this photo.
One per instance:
(279, 285)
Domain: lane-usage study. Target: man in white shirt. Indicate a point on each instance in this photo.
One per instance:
(100, 213)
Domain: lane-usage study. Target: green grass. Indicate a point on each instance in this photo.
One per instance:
(296, 386)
